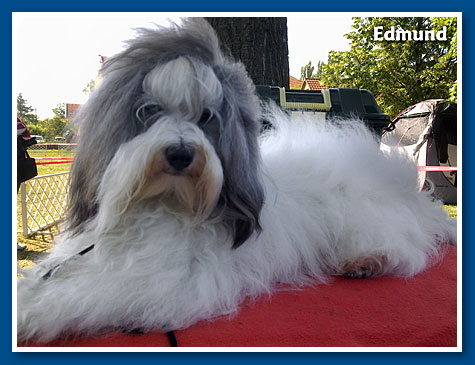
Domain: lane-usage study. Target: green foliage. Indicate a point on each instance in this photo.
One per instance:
(89, 87)
(22, 107)
(306, 72)
(54, 126)
(398, 73)
(37, 130)
(60, 110)
(319, 72)
(30, 118)
(49, 128)
(25, 111)
(453, 92)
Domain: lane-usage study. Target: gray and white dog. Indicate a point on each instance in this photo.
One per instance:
(190, 212)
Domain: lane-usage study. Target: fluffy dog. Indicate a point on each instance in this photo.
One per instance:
(178, 210)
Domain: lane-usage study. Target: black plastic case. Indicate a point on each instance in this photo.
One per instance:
(334, 102)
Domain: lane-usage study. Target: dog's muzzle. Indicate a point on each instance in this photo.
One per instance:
(179, 156)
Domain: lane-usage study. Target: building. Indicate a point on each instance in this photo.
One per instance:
(71, 110)
(312, 84)
(307, 84)
(295, 84)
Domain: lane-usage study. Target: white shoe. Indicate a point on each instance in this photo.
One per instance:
(20, 247)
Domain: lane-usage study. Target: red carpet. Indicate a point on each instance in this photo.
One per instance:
(420, 311)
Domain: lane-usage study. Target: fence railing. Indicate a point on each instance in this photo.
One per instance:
(53, 146)
(43, 202)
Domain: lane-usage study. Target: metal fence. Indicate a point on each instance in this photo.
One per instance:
(43, 202)
(53, 146)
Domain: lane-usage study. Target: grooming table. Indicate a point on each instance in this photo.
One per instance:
(389, 312)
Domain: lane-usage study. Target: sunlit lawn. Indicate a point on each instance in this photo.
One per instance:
(451, 210)
(38, 244)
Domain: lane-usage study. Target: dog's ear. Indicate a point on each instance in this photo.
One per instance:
(238, 149)
(242, 215)
(105, 122)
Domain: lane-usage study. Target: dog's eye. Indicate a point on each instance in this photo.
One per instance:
(151, 109)
(205, 117)
(146, 111)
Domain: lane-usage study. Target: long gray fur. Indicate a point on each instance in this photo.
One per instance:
(109, 119)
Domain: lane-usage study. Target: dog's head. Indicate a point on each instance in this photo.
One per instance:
(174, 121)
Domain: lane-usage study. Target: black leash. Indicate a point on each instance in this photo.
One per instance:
(54, 269)
(172, 339)
(134, 331)
(140, 331)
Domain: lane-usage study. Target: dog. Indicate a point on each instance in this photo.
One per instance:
(180, 208)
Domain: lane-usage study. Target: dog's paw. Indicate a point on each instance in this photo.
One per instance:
(364, 267)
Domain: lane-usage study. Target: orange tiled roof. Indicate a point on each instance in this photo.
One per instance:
(312, 84)
(295, 83)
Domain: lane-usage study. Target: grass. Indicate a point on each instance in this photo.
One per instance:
(39, 244)
(451, 210)
(52, 169)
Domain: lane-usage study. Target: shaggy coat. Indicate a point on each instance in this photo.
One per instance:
(189, 211)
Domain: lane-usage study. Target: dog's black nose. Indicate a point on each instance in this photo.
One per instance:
(179, 156)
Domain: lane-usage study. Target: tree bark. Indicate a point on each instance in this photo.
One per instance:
(261, 44)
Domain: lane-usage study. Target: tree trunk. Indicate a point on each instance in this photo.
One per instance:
(260, 44)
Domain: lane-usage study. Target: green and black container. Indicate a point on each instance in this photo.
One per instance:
(333, 102)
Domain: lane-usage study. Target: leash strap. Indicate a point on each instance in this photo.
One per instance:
(172, 339)
(86, 250)
(140, 331)
(54, 269)
(135, 331)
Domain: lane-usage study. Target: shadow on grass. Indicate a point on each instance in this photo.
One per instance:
(28, 255)
(37, 246)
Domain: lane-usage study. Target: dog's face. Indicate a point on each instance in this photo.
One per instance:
(174, 122)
